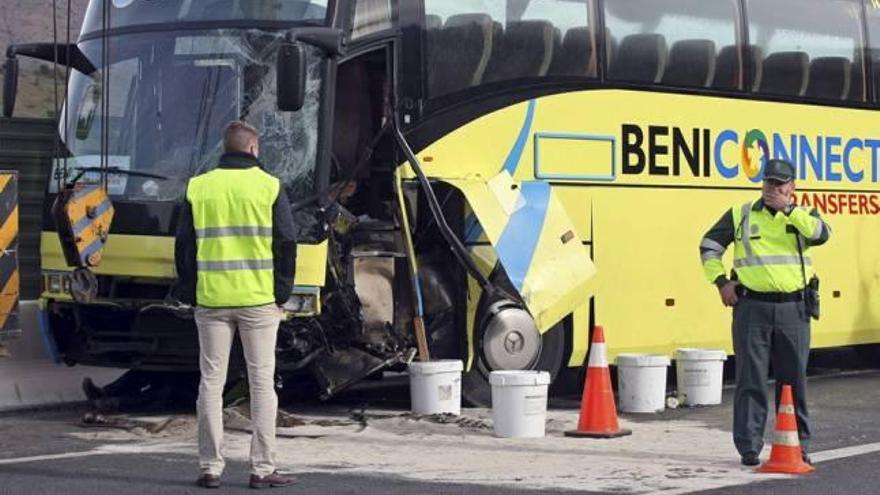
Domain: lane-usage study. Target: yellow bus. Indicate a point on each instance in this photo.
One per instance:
(508, 172)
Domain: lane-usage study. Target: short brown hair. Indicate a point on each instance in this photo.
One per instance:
(238, 136)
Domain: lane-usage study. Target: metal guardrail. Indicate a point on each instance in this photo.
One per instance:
(26, 146)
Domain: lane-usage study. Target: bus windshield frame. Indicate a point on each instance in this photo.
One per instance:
(170, 95)
(145, 14)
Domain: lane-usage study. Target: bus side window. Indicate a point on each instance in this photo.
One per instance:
(727, 69)
(755, 63)
(460, 53)
(493, 41)
(784, 73)
(691, 64)
(790, 33)
(829, 78)
(610, 48)
(640, 58)
(525, 50)
(575, 56)
(875, 72)
(857, 79)
(674, 42)
(859, 86)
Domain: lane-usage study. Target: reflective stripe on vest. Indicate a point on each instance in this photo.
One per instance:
(232, 216)
(765, 254)
(250, 230)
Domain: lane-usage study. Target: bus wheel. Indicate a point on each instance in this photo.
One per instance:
(506, 338)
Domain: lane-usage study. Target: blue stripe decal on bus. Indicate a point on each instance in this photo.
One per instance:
(516, 153)
(518, 242)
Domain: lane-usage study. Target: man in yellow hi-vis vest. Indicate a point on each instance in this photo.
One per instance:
(769, 295)
(235, 254)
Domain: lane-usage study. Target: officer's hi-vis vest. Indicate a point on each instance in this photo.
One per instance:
(765, 255)
(232, 216)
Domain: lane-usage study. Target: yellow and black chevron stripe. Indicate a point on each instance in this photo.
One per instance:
(83, 213)
(9, 277)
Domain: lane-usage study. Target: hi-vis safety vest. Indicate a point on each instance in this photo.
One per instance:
(232, 216)
(765, 255)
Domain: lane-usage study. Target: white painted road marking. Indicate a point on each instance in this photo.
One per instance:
(843, 452)
(106, 450)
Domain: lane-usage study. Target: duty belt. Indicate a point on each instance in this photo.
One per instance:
(771, 297)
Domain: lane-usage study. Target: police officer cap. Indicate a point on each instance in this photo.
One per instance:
(779, 170)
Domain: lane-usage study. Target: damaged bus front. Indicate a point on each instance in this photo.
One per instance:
(151, 86)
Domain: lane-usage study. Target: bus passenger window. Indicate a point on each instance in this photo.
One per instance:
(727, 69)
(858, 73)
(857, 78)
(790, 33)
(829, 78)
(754, 61)
(475, 42)
(691, 63)
(575, 56)
(525, 50)
(784, 73)
(460, 53)
(674, 42)
(640, 58)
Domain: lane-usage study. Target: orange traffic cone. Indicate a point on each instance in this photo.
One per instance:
(598, 417)
(785, 455)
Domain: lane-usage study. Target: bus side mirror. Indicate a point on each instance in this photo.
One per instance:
(10, 85)
(291, 77)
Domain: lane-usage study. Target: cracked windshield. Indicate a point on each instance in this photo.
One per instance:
(170, 97)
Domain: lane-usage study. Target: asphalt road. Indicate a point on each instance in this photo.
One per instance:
(843, 407)
(172, 475)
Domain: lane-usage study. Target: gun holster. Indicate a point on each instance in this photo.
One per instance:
(811, 297)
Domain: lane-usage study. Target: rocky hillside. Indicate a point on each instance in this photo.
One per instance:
(25, 21)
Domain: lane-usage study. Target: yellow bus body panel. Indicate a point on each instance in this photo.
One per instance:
(526, 221)
(153, 257)
(644, 227)
(535, 242)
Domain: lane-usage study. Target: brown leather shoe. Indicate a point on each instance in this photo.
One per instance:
(208, 481)
(274, 480)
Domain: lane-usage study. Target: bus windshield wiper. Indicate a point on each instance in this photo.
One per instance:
(115, 170)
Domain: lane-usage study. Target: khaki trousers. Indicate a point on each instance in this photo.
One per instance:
(258, 328)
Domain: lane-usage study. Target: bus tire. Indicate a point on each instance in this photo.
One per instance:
(475, 386)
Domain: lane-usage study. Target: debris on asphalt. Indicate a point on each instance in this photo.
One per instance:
(441, 418)
(152, 426)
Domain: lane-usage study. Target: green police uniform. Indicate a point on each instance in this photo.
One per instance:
(770, 320)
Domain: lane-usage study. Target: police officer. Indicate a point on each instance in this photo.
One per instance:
(235, 254)
(771, 264)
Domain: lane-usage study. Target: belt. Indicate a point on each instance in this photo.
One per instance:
(771, 297)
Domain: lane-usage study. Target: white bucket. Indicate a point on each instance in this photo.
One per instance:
(435, 386)
(641, 382)
(519, 403)
(700, 373)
